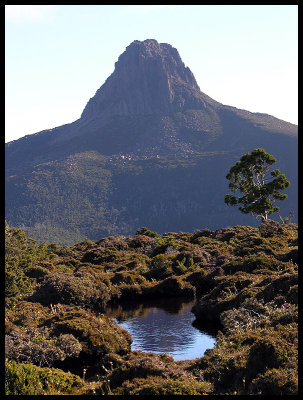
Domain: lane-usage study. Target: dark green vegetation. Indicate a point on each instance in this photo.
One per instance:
(251, 176)
(59, 341)
(91, 195)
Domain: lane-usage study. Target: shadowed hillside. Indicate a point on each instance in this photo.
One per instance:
(149, 149)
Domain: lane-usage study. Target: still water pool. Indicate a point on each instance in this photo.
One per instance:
(164, 326)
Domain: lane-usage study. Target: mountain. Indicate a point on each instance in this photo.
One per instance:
(150, 149)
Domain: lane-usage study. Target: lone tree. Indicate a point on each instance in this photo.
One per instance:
(251, 177)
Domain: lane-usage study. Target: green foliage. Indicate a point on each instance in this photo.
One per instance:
(184, 262)
(253, 262)
(179, 268)
(26, 250)
(275, 382)
(159, 268)
(265, 353)
(99, 335)
(28, 379)
(21, 254)
(16, 282)
(260, 188)
(246, 279)
(171, 287)
(147, 232)
(158, 386)
(164, 244)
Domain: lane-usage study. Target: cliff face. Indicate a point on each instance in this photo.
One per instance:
(150, 149)
(149, 78)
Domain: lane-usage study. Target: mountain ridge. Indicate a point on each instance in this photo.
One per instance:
(149, 108)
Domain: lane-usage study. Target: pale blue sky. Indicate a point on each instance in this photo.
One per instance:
(57, 56)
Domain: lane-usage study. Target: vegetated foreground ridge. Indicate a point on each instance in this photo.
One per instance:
(244, 280)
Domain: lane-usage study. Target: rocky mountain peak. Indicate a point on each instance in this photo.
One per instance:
(149, 77)
(149, 150)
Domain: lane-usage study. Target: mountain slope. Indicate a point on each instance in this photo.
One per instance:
(149, 149)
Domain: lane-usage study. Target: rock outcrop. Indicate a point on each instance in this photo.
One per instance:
(149, 78)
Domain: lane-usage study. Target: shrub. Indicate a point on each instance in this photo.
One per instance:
(28, 379)
(252, 263)
(265, 353)
(99, 256)
(129, 291)
(63, 268)
(147, 232)
(275, 382)
(46, 264)
(172, 286)
(248, 315)
(202, 281)
(162, 386)
(34, 345)
(68, 288)
(20, 253)
(269, 228)
(117, 242)
(16, 282)
(128, 278)
(97, 335)
(124, 277)
(165, 244)
(139, 368)
(36, 272)
(281, 285)
(159, 268)
(202, 233)
(225, 234)
(146, 244)
(179, 268)
(183, 261)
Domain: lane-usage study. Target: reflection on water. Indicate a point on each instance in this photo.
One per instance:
(164, 326)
